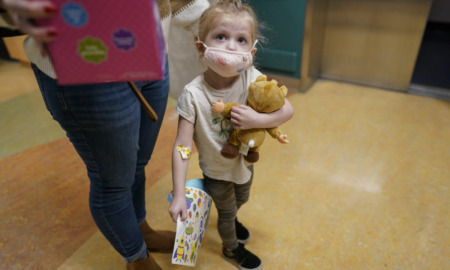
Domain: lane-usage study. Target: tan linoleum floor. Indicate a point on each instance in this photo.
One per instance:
(364, 184)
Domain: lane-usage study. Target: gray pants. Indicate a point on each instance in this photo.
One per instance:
(228, 198)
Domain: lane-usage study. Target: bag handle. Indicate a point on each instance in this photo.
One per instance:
(147, 108)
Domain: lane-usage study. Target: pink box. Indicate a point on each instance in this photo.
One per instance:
(106, 41)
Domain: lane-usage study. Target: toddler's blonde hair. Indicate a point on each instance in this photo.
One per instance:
(224, 7)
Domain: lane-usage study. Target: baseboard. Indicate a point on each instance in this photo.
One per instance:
(429, 91)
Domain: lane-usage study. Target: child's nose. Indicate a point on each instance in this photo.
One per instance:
(231, 45)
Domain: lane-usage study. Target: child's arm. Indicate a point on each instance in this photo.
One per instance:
(244, 117)
(179, 169)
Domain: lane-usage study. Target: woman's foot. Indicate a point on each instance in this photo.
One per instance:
(156, 240)
(146, 264)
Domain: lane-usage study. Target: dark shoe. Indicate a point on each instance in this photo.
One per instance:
(146, 264)
(252, 157)
(230, 151)
(243, 235)
(157, 241)
(243, 258)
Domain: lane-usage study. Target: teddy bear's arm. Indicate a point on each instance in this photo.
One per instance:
(227, 110)
(274, 132)
(223, 108)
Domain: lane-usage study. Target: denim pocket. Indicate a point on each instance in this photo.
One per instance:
(38, 75)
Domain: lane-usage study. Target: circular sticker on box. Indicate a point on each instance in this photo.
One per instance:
(124, 39)
(92, 50)
(74, 14)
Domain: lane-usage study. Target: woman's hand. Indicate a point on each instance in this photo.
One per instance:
(178, 207)
(24, 11)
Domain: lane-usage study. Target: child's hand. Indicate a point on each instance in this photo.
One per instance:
(177, 208)
(244, 117)
(218, 106)
(283, 139)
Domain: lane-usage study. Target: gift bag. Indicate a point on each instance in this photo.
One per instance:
(190, 233)
(104, 41)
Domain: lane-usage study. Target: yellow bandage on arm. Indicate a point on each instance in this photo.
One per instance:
(184, 151)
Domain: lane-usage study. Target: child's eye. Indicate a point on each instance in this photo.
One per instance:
(221, 37)
(242, 40)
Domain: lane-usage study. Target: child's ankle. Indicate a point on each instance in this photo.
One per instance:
(229, 250)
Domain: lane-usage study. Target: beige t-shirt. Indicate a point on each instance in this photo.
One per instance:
(211, 129)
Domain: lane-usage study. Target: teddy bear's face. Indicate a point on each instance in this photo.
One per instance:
(265, 96)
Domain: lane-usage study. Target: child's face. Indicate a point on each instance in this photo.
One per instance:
(231, 32)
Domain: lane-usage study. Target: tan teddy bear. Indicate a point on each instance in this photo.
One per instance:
(264, 97)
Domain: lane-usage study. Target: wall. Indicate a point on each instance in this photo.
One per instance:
(315, 23)
(373, 42)
(440, 11)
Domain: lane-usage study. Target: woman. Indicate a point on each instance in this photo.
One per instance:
(109, 130)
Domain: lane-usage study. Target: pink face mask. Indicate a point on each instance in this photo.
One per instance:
(227, 63)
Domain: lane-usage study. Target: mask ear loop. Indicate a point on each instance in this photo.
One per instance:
(254, 47)
(254, 44)
(204, 45)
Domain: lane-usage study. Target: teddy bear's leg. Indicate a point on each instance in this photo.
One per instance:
(230, 151)
(252, 157)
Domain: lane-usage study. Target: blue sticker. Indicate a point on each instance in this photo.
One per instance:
(124, 39)
(74, 14)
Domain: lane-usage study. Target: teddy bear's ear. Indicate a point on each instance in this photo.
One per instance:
(284, 90)
(261, 78)
(268, 87)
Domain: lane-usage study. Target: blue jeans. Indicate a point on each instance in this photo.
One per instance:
(115, 139)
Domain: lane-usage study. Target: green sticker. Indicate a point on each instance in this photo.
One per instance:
(92, 50)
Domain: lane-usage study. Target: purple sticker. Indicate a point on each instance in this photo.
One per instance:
(124, 39)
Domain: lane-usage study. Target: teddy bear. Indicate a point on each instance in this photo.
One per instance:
(264, 97)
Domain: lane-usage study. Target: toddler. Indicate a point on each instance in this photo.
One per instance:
(226, 43)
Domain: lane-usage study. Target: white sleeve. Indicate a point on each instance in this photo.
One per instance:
(187, 15)
(186, 106)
